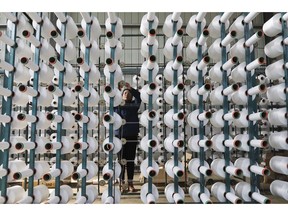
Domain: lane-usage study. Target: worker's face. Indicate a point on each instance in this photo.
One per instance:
(127, 96)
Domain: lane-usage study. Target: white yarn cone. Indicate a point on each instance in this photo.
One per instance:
(92, 145)
(279, 164)
(114, 199)
(70, 50)
(219, 168)
(14, 194)
(147, 170)
(215, 27)
(170, 143)
(194, 92)
(67, 143)
(90, 171)
(93, 99)
(217, 95)
(191, 28)
(195, 168)
(111, 173)
(172, 43)
(218, 142)
(91, 195)
(218, 118)
(149, 198)
(244, 165)
(66, 194)
(114, 20)
(115, 146)
(149, 44)
(274, 48)
(149, 116)
(278, 117)
(194, 192)
(67, 169)
(240, 96)
(93, 121)
(112, 67)
(95, 28)
(195, 117)
(275, 70)
(148, 65)
(238, 49)
(243, 190)
(218, 190)
(71, 28)
(277, 93)
(146, 90)
(172, 170)
(192, 72)
(168, 94)
(145, 143)
(40, 194)
(115, 120)
(146, 20)
(238, 26)
(170, 117)
(168, 24)
(194, 143)
(113, 93)
(214, 51)
(279, 188)
(173, 197)
(192, 49)
(238, 74)
(273, 26)
(279, 140)
(173, 66)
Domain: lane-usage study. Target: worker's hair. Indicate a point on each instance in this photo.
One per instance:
(126, 90)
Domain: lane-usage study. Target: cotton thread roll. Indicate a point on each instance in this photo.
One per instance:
(66, 195)
(115, 93)
(172, 67)
(193, 93)
(113, 19)
(91, 195)
(228, 38)
(197, 196)
(218, 118)
(278, 117)
(217, 95)
(170, 143)
(254, 38)
(279, 188)
(70, 49)
(195, 117)
(149, 171)
(147, 66)
(40, 194)
(14, 194)
(67, 144)
(46, 51)
(215, 26)
(194, 143)
(173, 42)
(115, 146)
(244, 165)
(91, 119)
(148, 89)
(274, 48)
(240, 97)
(243, 190)
(148, 43)
(6, 66)
(277, 93)
(273, 26)
(279, 164)
(25, 34)
(170, 117)
(114, 199)
(218, 191)
(168, 24)
(149, 18)
(238, 26)
(66, 170)
(171, 169)
(279, 140)
(90, 171)
(20, 120)
(215, 50)
(92, 145)
(149, 198)
(275, 70)
(83, 38)
(170, 92)
(218, 142)
(145, 143)
(111, 173)
(112, 67)
(47, 27)
(191, 27)
(218, 167)
(115, 120)
(195, 168)
(173, 197)
(191, 50)
(147, 116)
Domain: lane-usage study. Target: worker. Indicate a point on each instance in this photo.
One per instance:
(129, 131)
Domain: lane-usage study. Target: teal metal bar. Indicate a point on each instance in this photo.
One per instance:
(225, 110)
(248, 59)
(175, 109)
(111, 112)
(8, 108)
(85, 111)
(60, 110)
(34, 112)
(285, 57)
(201, 108)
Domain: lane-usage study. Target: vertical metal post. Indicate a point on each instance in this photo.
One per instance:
(34, 111)
(150, 129)
(111, 112)
(201, 108)
(175, 109)
(60, 110)
(248, 59)
(8, 109)
(225, 110)
(85, 111)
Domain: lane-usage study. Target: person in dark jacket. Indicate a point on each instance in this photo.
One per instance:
(129, 131)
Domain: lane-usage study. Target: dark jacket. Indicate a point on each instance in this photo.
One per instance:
(129, 112)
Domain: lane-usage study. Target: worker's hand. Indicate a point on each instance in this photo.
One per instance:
(128, 86)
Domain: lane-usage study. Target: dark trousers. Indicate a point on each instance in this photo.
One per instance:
(128, 152)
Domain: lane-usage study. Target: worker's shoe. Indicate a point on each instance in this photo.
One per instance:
(131, 187)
